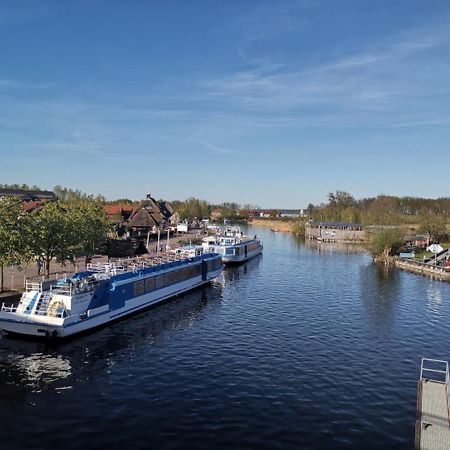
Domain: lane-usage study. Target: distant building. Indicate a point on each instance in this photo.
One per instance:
(290, 213)
(31, 200)
(421, 240)
(335, 231)
(216, 214)
(118, 212)
(28, 195)
(149, 216)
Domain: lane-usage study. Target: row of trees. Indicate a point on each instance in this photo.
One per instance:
(431, 215)
(59, 231)
(19, 186)
(191, 208)
(201, 209)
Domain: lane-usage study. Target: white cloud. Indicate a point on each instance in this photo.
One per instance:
(402, 74)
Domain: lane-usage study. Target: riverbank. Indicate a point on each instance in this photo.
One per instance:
(287, 226)
(423, 269)
(15, 276)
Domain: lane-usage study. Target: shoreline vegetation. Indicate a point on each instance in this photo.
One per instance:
(286, 226)
(75, 223)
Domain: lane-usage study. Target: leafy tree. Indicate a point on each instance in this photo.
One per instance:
(310, 210)
(92, 224)
(20, 186)
(191, 208)
(63, 231)
(54, 234)
(14, 234)
(434, 225)
(70, 195)
(387, 242)
(341, 199)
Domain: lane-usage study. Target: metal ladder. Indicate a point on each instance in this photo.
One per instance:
(43, 302)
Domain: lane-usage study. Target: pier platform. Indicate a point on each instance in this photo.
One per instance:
(433, 420)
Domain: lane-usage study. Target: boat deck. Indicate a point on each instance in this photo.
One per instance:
(433, 421)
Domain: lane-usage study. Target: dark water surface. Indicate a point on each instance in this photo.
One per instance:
(299, 348)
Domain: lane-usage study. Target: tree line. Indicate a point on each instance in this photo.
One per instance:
(60, 230)
(432, 215)
(192, 208)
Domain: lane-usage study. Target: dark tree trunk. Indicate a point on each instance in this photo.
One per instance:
(1, 277)
(47, 266)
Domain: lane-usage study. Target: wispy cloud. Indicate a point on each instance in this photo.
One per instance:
(422, 123)
(7, 83)
(399, 82)
(388, 76)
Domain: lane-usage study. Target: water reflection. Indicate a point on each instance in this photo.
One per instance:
(311, 328)
(434, 300)
(335, 247)
(235, 272)
(380, 291)
(46, 365)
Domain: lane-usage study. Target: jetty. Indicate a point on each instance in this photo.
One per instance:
(335, 232)
(424, 268)
(433, 420)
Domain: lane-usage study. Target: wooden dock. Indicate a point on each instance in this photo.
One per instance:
(433, 420)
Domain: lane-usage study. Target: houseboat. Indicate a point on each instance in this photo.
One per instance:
(233, 246)
(106, 292)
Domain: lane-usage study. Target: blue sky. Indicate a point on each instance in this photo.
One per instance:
(274, 103)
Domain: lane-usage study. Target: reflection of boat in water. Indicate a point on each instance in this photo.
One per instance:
(59, 365)
(233, 246)
(235, 272)
(105, 292)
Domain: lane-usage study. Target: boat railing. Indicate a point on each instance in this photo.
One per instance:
(62, 289)
(435, 370)
(9, 308)
(43, 283)
(110, 268)
(121, 265)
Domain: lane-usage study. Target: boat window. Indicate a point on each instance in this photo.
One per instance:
(159, 282)
(150, 284)
(139, 288)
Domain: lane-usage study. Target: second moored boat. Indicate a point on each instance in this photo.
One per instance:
(233, 246)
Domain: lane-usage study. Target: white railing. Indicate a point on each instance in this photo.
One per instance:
(9, 308)
(33, 286)
(63, 289)
(428, 366)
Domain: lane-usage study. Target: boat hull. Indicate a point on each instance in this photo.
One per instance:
(239, 259)
(11, 324)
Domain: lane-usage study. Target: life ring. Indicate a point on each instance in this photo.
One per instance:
(53, 308)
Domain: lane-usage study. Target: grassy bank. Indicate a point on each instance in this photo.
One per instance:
(287, 226)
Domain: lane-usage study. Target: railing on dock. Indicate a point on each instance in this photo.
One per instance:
(433, 372)
(433, 420)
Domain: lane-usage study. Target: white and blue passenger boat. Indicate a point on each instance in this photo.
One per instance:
(105, 292)
(233, 246)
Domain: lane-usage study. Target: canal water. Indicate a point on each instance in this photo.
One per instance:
(304, 347)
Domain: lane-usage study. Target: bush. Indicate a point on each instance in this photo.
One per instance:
(387, 242)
